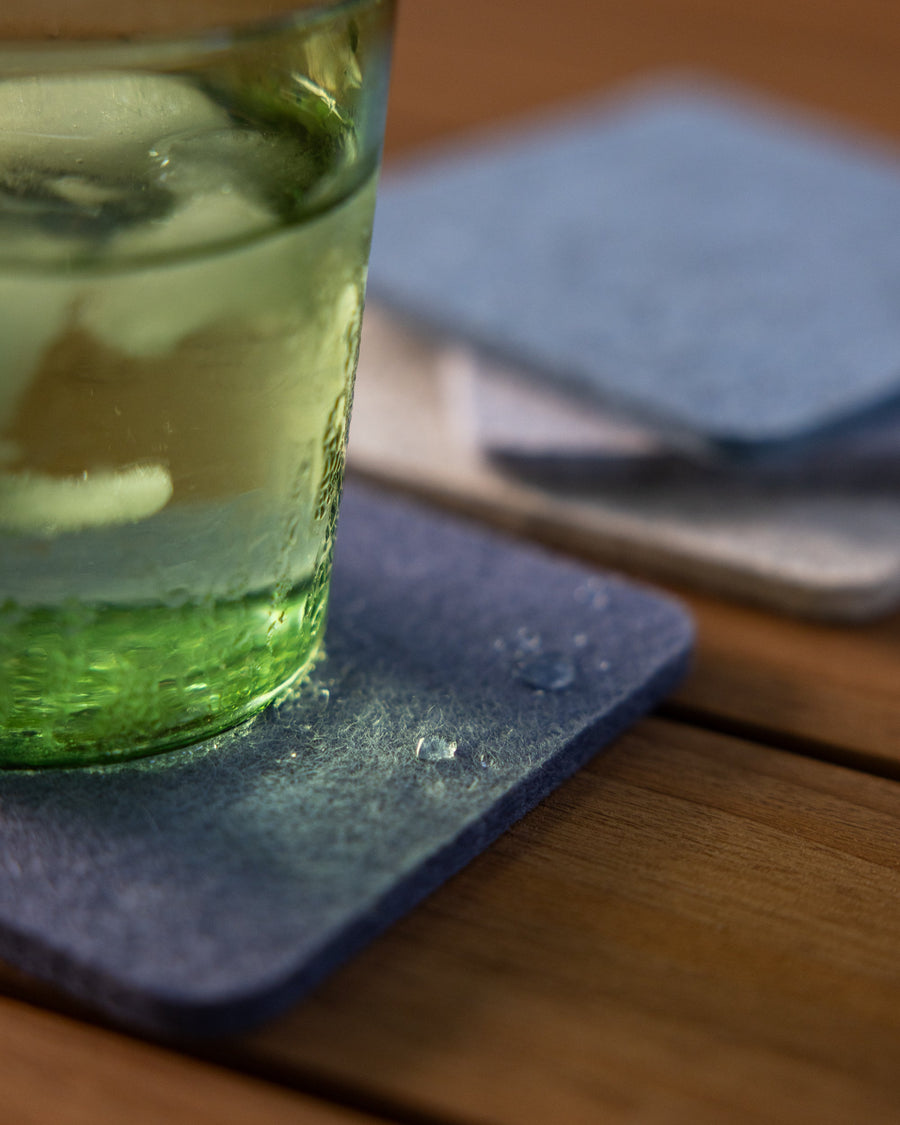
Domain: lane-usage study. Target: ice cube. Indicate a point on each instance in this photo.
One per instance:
(214, 220)
(264, 167)
(75, 157)
(33, 312)
(96, 125)
(148, 313)
(62, 208)
(37, 504)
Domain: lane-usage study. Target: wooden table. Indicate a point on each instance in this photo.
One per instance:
(702, 926)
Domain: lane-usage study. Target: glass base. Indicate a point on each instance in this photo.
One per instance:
(88, 684)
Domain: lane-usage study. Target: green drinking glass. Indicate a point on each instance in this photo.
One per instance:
(185, 218)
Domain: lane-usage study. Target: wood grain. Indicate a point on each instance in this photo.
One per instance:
(825, 690)
(98, 19)
(694, 929)
(60, 1071)
(458, 65)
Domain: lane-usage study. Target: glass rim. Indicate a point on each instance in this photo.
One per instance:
(78, 51)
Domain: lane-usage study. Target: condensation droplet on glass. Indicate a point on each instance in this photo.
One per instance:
(580, 640)
(549, 671)
(433, 748)
(603, 665)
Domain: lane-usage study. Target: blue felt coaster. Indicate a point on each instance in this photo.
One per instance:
(204, 890)
(546, 437)
(713, 267)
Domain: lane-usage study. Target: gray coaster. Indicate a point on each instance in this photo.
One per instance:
(715, 268)
(814, 529)
(206, 889)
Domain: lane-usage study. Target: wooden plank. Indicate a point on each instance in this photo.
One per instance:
(827, 690)
(457, 65)
(57, 1070)
(694, 929)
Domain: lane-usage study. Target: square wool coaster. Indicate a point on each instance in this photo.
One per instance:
(708, 262)
(204, 890)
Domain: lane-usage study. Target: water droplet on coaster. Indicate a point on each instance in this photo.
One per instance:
(593, 593)
(527, 641)
(548, 671)
(433, 748)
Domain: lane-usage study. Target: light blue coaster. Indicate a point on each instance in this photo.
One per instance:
(723, 271)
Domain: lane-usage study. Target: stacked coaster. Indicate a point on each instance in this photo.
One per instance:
(681, 302)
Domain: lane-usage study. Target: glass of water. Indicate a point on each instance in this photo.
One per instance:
(185, 217)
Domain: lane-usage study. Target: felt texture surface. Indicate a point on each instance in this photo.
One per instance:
(204, 890)
(719, 269)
